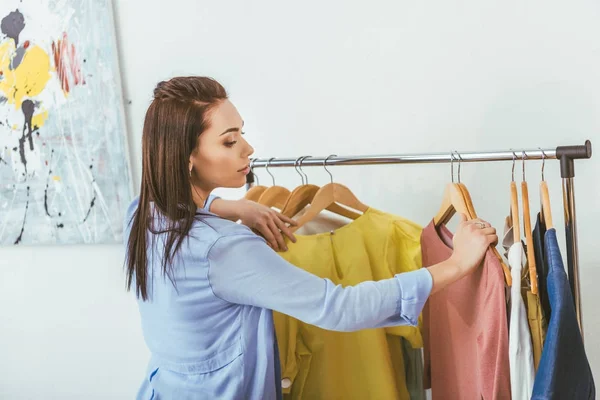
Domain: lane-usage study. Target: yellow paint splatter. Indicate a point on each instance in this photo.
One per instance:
(27, 80)
(39, 119)
(56, 178)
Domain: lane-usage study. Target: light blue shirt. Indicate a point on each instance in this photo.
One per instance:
(211, 333)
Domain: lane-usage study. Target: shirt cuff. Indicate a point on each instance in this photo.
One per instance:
(209, 201)
(415, 287)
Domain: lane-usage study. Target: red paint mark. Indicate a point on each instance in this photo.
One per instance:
(46, 163)
(26, 44)
(1, 73)
(65, 61)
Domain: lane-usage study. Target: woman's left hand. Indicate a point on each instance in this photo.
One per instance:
(263, 220)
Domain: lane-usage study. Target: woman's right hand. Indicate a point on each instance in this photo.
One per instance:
(471, 241)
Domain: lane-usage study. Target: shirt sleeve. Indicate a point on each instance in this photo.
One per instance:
(209, 201)
(403, 254)
(244, 270)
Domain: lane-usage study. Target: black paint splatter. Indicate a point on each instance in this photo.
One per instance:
(90, 209)
(24, 219)
(17, 59)
(93, 202)
(28, 108)
(47, 184)
(12, 25)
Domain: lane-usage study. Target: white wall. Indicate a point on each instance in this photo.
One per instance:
(317, 78)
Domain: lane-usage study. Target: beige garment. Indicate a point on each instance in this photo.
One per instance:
(537, 325)
(325, 221)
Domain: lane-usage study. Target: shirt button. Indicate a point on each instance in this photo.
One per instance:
(286, 383)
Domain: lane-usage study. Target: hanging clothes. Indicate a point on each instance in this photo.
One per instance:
(564, 371)
(537, 325)
(526, 336)
(328, 221)
(465, 331)
(321, 364)
(413, 365)
(520, 352)
(541, 264)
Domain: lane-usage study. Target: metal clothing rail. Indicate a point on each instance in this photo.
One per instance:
(566, 155)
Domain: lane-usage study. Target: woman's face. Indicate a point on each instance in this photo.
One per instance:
(222, 156)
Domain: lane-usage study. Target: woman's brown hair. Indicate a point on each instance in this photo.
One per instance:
(177, 116)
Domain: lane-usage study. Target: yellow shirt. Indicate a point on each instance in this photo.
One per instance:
(368, 364)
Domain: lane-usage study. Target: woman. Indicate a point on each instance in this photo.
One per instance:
(206, 285)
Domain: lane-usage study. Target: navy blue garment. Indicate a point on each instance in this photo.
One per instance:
(541, 265)
(564, 372)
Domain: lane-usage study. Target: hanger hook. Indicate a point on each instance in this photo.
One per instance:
(452, 166)
(543, 161)
(296, 168)
(269, 172)
(325, 166)
(459, 158)
(513, 166)
(252, 161)
(524, 155)
(301, 170)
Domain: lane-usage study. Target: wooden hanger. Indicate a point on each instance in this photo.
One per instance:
(456, 198)
(546, 211)
(301, 196)
(453, 201)
(545, 198)
(304, 195)
(528, 233)
(299, 199)
(330, 195)
(468, 199)
(274, 196)
(255, 192)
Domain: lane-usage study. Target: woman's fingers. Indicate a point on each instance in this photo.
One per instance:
(286, 219)
(280, 242)
(280, 222)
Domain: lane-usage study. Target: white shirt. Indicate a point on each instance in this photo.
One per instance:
(520, 353)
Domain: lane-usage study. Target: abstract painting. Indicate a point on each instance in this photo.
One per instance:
(64, 173)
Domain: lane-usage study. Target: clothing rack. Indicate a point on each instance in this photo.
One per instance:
(565, 154)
